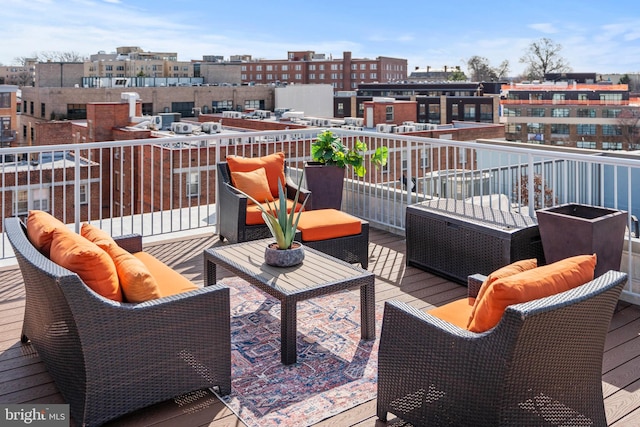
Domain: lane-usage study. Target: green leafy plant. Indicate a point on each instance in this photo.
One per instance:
(282, 225)
(328, 149)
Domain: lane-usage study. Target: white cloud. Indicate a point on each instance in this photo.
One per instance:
(544, 27)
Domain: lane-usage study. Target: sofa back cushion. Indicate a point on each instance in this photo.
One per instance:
(254, 183)
(529, 285)
(273, 165)
(136, 281)
(94, 266)
(40, 228)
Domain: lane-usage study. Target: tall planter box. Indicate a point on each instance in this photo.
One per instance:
(575, 229)
(326, 184)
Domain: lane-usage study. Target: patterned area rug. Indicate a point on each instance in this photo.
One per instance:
(335, 369)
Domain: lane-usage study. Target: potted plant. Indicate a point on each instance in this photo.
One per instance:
(285, 251)
(330, 157)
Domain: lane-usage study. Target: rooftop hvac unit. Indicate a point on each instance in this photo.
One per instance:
(409, 123)
(399, 129)
(182, 128)
(211, 127)
(408, 128)
(381, 127)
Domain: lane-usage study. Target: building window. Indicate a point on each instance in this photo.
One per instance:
(269, 67)
(612, 145)
(583, 129)
(312, 76)
(586, 112)
(560, 128)
(340, 108)
(611, 130)
(334, 76)
(469, 112)
(373, 66)
(586, 144)
(255, 104)
(269, 76)
(298, 76)
(334, 67)
(373, 76)
(193, 184)
(363, 76)
(611, 113)
(258, 67)
(613, 98)
(537, 112)
(559, 112)
(389, 113)
(321, 77)
(24, 201)
(5, 100)
(486, 113)
(219, 106)
(363, 66)
(84, 197)
(312, 67)
(285, 77)
(535, 132)
(42, 109)
(298, 67)
(434, 113)
(558, 97)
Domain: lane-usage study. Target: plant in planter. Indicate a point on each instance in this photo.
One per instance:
(285, 251)
(330, 157)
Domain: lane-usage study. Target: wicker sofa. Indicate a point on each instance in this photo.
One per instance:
(541, 365)
(109, 358)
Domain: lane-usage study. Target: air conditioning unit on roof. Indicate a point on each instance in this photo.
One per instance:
(182, 128)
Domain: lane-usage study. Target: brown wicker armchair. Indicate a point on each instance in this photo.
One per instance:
(109, 358)
(233, 209)
(542, 364)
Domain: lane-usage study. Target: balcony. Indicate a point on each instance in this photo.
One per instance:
(164, 189)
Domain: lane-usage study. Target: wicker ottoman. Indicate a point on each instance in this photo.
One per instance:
(336, 233)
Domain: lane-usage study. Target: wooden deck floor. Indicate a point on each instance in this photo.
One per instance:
(23, 377)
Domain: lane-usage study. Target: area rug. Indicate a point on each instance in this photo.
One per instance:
(335, 371)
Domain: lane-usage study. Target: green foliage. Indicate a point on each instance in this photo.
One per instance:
(328, 149)
(282, 225)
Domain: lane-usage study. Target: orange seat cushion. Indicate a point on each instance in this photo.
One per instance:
(169, 281)
(136, 281)
(94, 266)
(40, 228)
(323, 224)
(253, 183)
(506, 271)
(456, 312)
(273, 165)
(254, 214)
(530, 285)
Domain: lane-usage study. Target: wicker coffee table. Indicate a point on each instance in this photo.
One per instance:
(319, 274)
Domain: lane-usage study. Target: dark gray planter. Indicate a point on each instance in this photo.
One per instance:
(284, 258)
(574, 229)
(326, 184)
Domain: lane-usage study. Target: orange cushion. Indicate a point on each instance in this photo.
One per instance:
(96, 235)
(254, 214)
(529, 285)
(456, 312)
(40, 227)
(506, 271)
(137, 282)
(169, 281)
(273, 165)
(323, 224)
(253, 183)
(87, 260)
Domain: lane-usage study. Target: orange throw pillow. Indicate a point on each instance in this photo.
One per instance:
(87, 260)
(40, 228)
(273, 165)
(506, 271)
(254, 183)
(530, 285)
(96, 235)
(136, 281)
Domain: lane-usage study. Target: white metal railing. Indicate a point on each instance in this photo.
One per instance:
(167, 185)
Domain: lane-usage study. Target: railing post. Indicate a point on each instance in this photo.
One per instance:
(76, 188)
(531, 186)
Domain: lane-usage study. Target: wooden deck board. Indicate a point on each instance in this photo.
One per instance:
(23, 377)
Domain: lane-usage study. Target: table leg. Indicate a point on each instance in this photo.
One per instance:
(211, 272)
(368, 311)
(288, 330)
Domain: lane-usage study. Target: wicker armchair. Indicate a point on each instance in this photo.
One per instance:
(109, 358)
(542, 364)
(233, 209)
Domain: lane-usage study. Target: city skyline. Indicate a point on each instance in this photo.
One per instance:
(593, 38)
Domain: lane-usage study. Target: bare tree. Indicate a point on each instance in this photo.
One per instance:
(53, 56)
(629, 122)
(481, 70)
(542, 57)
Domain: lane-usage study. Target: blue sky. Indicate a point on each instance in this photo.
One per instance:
(601, 37)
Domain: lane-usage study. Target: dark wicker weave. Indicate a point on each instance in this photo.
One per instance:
(109, 358)
(233, 227)
(542, 364)
(233, 209)
(455, 239)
